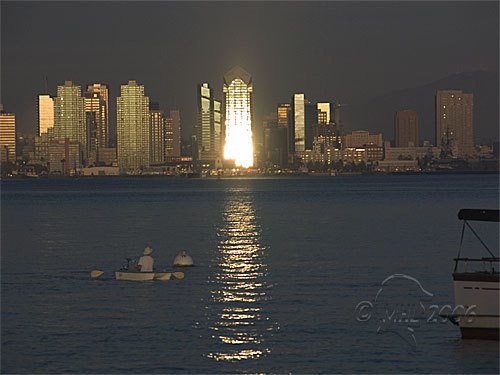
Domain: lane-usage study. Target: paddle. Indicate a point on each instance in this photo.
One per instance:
(95, 274)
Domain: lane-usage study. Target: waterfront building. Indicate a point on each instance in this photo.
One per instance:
(454, 122)
(361, 138)
(102, 91)
(64, 157)
(406, 129)
(209, 126)
(169, 138)
(107, 156)
(96, 125)
(157, 134)
(25, 146)
(299, 122)
(324, 112)
(238, 90)
(69, 114)
(45, 111)
(175, 115)
(275, 146)
(7, 136)
(133, 136)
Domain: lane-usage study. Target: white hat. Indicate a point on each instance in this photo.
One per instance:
(148, 250)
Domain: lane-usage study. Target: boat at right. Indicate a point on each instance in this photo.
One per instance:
(476, 282)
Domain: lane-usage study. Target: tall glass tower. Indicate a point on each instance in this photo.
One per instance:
(238, 90)
(45, 114)
(69, 114)
(133, 132)
(209, 125)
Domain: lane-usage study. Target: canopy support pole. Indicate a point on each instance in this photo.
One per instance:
(480, 240)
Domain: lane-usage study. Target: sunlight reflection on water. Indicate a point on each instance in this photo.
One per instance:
(239, 285)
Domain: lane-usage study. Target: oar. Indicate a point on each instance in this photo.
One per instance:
(95, 274)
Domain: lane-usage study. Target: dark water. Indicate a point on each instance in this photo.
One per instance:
(281, 265)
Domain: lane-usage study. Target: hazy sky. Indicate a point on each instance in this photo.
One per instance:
(329, 50)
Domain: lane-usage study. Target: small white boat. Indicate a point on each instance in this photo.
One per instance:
(142, 276)
(183, 260)
(476, 284)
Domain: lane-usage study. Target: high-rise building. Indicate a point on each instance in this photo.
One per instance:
(406, 129)
(176, 133)
(299, 122)
(45, 109)
(132, 120)
(304, 119)
(311, 117)
(284, 113)
(69, 114)
(209, 126)
(102, 92)
(7, 136)
(169, 138)
(238, 89)
(324, 112)
(157, 134)
(96, 125)
(454, 113)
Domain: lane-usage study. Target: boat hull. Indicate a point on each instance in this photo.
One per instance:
(479, 294)
(142, 276)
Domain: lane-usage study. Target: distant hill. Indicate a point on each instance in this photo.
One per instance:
(377, 115)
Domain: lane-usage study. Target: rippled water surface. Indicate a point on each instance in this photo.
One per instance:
(281, 265)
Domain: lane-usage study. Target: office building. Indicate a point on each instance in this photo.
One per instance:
(45, 111)
(133, 136)
(324, 112)
(238, 90)
(361, 138)
(299, 122)
(209, 126)
(96, 125)
(454, 122)
(7, 136)
(176, 133)
(157, 134)
(101, 91)
(406, 129)
(69, 114)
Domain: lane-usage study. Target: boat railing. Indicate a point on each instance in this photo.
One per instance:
(486, 261)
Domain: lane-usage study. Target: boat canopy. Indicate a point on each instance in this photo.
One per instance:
(479, 215)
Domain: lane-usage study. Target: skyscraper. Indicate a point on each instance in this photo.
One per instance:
(454, 111)
(299, 121)
(102, 91)
(157, 134)
(45, 109)
(406, 128)
(69, 114)
(238, 89)
(96, 124)
(285, 121)
(176, 133)
(324, 112)
(7, 136)
(132, 120)
(209, 126)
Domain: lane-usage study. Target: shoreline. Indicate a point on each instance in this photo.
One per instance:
(257, 175)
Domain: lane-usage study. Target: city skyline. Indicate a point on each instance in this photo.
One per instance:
(331, 59)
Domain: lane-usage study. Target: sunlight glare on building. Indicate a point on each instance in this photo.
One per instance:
(238, 89)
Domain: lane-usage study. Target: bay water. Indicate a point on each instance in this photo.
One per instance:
(282, 269)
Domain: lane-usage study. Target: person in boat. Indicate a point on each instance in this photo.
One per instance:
(146, 262)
